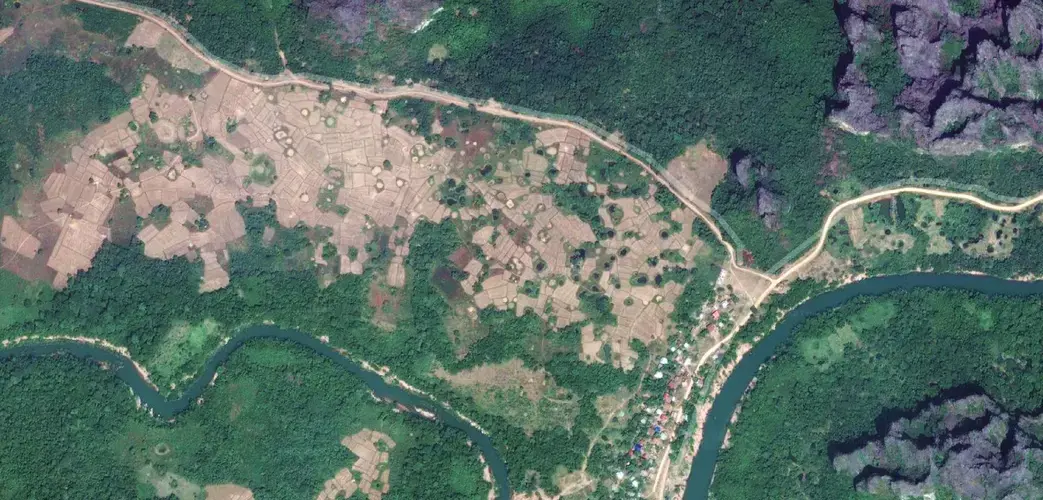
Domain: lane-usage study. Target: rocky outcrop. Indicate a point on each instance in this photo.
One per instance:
(769, 206)
(744, 171)
(754, 178)
(969, 446)
(969, 72)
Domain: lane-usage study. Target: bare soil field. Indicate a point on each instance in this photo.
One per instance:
(228, 492)
(6, 33)
(699, 168)
(150, 35)
(369, 474)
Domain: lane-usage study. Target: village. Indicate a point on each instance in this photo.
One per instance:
(666, 409)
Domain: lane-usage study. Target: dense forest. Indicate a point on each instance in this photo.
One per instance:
(114, 24)
(842, 369)
(48, 97)
(875, 162)
(251, 33)
(272, 422)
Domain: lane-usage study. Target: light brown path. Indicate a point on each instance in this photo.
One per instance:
(794, 268)
(700, 207)
(683, 193)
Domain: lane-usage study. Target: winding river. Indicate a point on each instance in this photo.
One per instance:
(698, 487)
(165, 408)
(716, 425)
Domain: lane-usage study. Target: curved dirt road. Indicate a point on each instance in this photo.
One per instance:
(887, 193)
(492, 108)
(814, 252)
(428, 94)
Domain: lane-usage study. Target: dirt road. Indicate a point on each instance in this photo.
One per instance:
(428, 94)
(700, 207)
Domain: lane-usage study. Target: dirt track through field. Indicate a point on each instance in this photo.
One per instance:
(700, 207)
(683, 193)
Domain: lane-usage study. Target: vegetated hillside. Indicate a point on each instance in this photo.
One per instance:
(954, 76)
(845, 371)
(323, 37)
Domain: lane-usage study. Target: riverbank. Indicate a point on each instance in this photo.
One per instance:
(136, 377)
(733, 389)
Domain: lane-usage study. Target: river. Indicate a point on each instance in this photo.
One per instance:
(165, 408)
(698, 487)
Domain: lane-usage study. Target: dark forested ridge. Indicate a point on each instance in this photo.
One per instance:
(843, 369)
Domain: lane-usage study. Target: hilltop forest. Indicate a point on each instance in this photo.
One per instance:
(843, 369)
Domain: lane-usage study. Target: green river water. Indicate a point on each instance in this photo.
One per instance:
(716, 425)
(698, 487)
(164, 408)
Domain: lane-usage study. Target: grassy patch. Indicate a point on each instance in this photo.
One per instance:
(824, 352)
(262, 170)
(183, 345)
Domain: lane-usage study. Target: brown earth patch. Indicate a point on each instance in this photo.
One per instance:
(700, 169)
(856, 226)
(461, 257)
(385, 306)
(576, 484)
(882, 238)
(590, 346)
(377, 297)
(825, 267)
(608, 404)
(146, 34)
(36, 223)
(928, 220)
(123, 223)
(370, 473)
(476, 138)
(6, 33)
(997, 242)
(464, 330)
(228, 492)
(168, 484)
(178, 56)
(447, 284)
